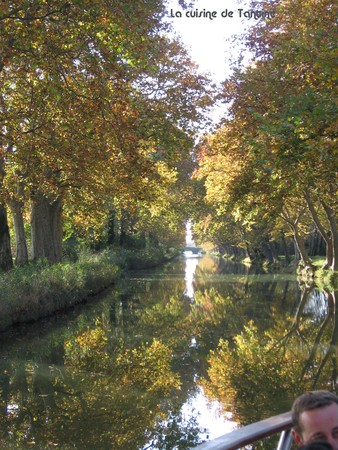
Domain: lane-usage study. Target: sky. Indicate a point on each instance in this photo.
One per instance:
(208, 37)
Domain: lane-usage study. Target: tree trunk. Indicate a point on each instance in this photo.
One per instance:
(123, 229)
(21, 253)
(301, 248)
(248, 251)
(331, 215)
(285, 249)
(111, 228)
(274, 252)
(266, 249)
(326, 236)
(46, 228)
(297, 254)
(293, 223)
(6, 260)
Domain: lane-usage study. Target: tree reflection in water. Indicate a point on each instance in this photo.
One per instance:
(259, 370)
(126, 372)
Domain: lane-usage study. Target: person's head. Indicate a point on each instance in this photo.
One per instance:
(315, 417)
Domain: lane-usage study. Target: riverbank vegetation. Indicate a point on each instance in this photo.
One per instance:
(270, 169)
(40, 289)
(37, 290)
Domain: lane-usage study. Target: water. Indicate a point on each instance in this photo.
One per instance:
(166, 359)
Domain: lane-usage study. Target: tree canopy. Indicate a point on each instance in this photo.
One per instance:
(97, 102)
(274, 157)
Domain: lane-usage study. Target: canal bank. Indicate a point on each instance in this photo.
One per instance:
(39, 289)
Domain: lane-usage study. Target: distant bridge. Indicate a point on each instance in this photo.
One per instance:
(194, 250)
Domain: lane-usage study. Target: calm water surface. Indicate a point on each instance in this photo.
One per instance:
(166, 359)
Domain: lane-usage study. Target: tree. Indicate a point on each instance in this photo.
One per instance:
(6, 262)
(97, 102)
(278, 138)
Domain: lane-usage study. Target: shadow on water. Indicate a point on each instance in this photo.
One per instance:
(165, 359)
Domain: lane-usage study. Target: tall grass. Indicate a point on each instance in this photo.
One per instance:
(38, 290)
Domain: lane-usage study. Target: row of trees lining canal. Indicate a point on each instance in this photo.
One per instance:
(270, 170)
(98, 113)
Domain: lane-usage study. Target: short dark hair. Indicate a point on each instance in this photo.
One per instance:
(310, 400)
(317, 445)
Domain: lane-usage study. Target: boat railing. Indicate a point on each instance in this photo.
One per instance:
(254, 432)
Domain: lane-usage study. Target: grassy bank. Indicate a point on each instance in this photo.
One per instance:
(39, 290)
(323, 278)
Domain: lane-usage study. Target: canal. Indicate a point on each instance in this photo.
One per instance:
(166, 359)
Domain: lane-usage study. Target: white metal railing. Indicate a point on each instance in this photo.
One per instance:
(254, 432)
